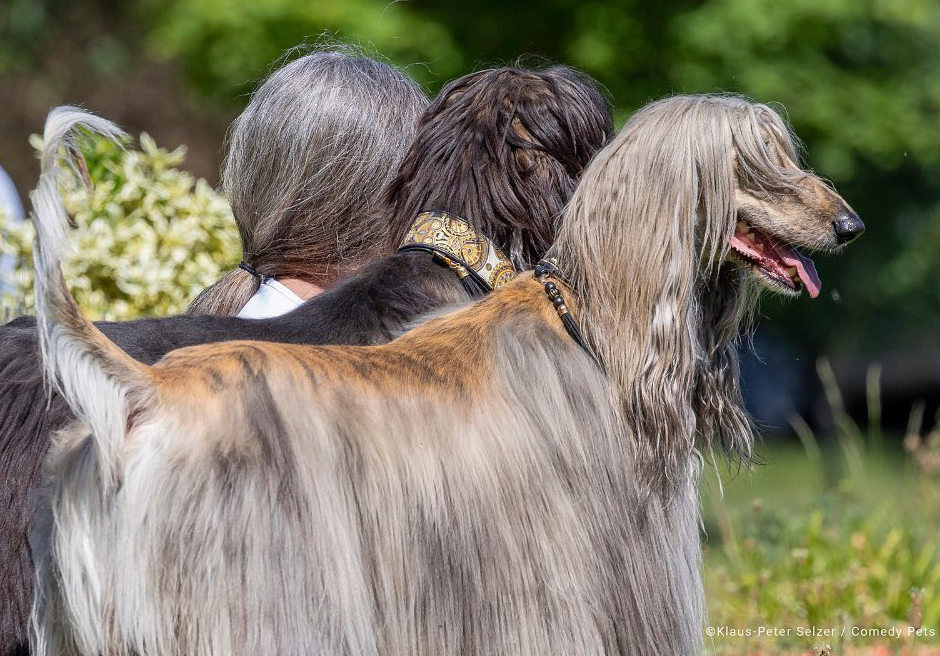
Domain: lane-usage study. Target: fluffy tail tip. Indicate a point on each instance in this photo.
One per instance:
(64, 127)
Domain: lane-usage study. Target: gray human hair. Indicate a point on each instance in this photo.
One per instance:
(305, 161)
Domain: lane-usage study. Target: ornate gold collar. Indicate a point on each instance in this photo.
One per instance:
(461, 247)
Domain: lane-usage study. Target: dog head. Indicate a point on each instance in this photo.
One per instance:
(503, 149)
(781, 208)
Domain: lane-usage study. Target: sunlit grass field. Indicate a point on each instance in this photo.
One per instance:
(829, 547)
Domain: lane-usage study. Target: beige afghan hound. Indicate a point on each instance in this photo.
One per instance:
(483, 484)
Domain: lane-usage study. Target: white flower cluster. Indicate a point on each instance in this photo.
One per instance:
(149, 236)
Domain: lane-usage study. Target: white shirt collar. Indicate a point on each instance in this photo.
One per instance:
(271, 300)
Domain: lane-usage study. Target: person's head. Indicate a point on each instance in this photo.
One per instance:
(305, 162)
(502, 149)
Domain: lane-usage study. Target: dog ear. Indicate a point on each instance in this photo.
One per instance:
(722, 418)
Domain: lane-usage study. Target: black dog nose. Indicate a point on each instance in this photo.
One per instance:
(848, 227)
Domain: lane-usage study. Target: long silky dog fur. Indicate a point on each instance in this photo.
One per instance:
(480, 485)
(530, 132)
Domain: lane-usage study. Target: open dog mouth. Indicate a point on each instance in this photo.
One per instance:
(777, 260)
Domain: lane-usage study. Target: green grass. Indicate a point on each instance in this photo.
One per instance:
(843, 533)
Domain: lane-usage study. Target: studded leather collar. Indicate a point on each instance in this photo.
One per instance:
(464, 250)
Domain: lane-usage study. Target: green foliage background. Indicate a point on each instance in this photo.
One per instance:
(147, 235)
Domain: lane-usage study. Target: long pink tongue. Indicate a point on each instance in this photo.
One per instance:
(804, 267)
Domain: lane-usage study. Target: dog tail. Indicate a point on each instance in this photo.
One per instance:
(96, 378)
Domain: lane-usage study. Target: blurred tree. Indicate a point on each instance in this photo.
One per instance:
(89, 53)
(227, 45)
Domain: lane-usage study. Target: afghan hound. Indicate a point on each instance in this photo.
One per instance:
(517, 476)
(502, 148)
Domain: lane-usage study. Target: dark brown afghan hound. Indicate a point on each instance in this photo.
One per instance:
(503, 479)
(501, 148)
